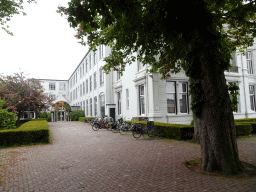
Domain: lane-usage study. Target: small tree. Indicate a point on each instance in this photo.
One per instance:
(74, 115)
(21, 94)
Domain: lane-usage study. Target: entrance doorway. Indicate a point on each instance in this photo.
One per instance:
(61, 115)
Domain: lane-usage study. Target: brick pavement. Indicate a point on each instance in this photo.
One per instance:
(80, 159)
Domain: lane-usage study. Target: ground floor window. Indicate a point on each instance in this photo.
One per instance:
(95, 106)
(142, 99)
(176, 90)
(102, 105)
(91, 107)
(252, 97)
(87, 106)
(119, 103)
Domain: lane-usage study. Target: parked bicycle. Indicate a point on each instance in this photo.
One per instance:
(124, 128)
(138, 130)
(101, 123)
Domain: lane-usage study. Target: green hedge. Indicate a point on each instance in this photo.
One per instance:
(81, 119)
(171, 131)
(243, 129)
(32, 132)
(252, 121)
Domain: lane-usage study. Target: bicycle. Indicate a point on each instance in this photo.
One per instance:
(116, 125)
(138, 130)
(124, 128)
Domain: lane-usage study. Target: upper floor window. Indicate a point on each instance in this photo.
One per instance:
(90, 63)
(95, 80)
(52, 96)
(51, 86)
(101, 77)
(127, 98)
(94, 57)
(252, 97)
(118, 75)
(62, 86)
(86, 66)
(83, 88)
(70, 96)
(100, 51)
(83, 69)
(90, 83)
(249, 62)
(86, 85)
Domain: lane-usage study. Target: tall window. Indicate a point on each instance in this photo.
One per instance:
(81, 72)
(95, 106)
(87, 106)
(102, 105)
(86, 66)
(119, 106)
(76, 77)
(173, 91)
(52, 96)
(141, 99)
(183, 97)
(101, 77)
(83, 69)
(76, 93)
(83, 88)
(51, 86)
(95, 80)
(249, 62)
(90, 62)
(100, 51)
(171, 97)
(70, 83)
(91, 107)
(127, 98)
(70, 96)
(62, 86)
(252, 97)
(86, 85)
(90, 83)
(83, 105)
(118, 75)
(94, 57)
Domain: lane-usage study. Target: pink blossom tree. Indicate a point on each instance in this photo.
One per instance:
(21, 94)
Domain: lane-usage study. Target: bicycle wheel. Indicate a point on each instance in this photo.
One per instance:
(136, 132)
(124, 128)
(115, 129)
(95, 127)
(150, 132)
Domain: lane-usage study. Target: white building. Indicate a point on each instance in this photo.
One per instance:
(141, 94)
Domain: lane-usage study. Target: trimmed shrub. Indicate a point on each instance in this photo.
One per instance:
(171, 131)
(45, 115)
(81, 119)
(7, 120)
(32, 132)
(243, 129)
(74, 115)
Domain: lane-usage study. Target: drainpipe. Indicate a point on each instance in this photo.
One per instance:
(246, 113)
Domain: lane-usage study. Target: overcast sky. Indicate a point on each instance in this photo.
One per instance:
(43, 44)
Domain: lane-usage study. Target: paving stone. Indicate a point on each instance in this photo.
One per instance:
(80, 159)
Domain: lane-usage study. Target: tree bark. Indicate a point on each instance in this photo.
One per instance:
(196, 136)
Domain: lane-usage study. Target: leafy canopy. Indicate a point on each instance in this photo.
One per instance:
(159, 30)
(8, 8)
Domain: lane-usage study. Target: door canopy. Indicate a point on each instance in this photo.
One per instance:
(61, 106)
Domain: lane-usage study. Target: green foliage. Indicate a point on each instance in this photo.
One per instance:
(1, 103)
(31, 132)
(81, 119)
(45, 115)
(233, 92)
(252, 121)
(7, 119)
(192, 123)
(74, 115)
(8, 8)
(243, 129)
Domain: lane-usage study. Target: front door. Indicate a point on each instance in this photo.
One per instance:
(60, 116)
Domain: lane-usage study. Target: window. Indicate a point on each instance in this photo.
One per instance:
(183, 97)
(101, 77)
(76, 93)
(102, 105)
(118, 75)
(249, 62)
(95, 106)
(91, 107)
(100, 51)
(86, 66)
(74, 96)
(83, 69)
(236, 108)
(87, 106)
(51, 86)
(139, 63)
(127, 99)
(252, 97)
(171, 97)
(62, 86)
(95, 80)
(90, 63)
(83, 105)
(141, 100)
(76, 77)
(70, 96)
(174, 90)
(52, 96)
(86, 85)
(90, 83)
(94, 57)
(70, 83)
(119, 106)
(83, 88)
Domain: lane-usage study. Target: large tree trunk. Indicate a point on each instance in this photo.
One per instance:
(196, 136)
(208, 59)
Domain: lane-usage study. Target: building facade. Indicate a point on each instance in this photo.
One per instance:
(138, 94)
